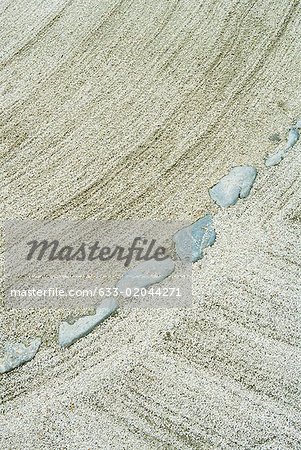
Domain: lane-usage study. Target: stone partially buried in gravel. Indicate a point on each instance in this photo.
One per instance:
(277, 157)
(69, 333)
(237, 184)
(192, 240)
(145, 274)
(17, 354)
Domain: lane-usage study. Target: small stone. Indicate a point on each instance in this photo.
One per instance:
(17, 354)
(192, 240)
(292, 138)
(69, 333)
(145, 274)
(277, 157)
(237, 184)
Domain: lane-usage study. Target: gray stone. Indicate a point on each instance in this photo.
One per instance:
(17, 354)
(192, 240)
(69, 333)
(237, 184)
(145, 274)
(292, 138)
(277, 157)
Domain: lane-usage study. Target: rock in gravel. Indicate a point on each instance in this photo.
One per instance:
(69, 333)
(192, 240)
(237, 184)
(145, 274)
(17, 354)
(277, 157)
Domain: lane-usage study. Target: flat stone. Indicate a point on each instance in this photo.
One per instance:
(17, 354)
(192, 240)
(145, 274)
(69, 333)
(277, 157)
(292, 138)
(237, 184)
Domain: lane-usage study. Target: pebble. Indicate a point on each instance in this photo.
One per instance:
(237, 184)
(192, 240)
(293, 136)
(17, 354)
(69, 333)
(145, 274)
(275, 159)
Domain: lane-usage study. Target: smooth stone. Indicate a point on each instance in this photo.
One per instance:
(237, 184)
(69, 333)
(293, 136)
(145, 274)
(192, 240)
(275, 159)
(17, 354)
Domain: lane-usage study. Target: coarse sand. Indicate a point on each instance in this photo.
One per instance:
(122, 109)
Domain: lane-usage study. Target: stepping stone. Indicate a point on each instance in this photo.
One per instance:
(17, 354)
(69, 333)
(292, 138)
(192, 240)
(145, 274)
(237, 184)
